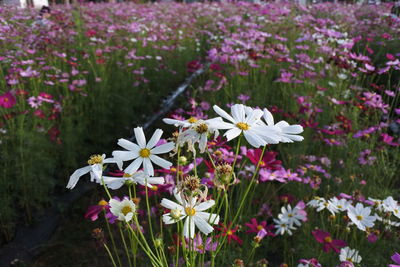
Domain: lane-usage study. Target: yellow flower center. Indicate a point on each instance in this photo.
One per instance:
(154, 188)
(201, 128)
(144, 153)
(260, 227)
(192, 120)
(290, 215)
(328, 239)
(126, 209)
(359, 217)
(190, 211)
(102, 203)
(200, 247)
(95, 159)
(229, 232)
(349, 259)
(126, 175)
(242, 126)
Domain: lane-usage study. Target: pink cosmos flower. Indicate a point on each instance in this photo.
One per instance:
(327, 241)
(7, 100)
(94, 210)
(201, 246)
(255, 227)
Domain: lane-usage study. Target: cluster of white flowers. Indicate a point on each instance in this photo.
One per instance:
(242, 120)
(359, 214)
(288, 219)
(193, 211)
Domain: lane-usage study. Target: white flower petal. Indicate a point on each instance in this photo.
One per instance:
(223, 113)
(140, 138)
(254, 139)
(238, 112)
(205, 205)
(269, 119)
(232, 133)
(134, 166)
(203, 226)
(128, 145)
(211, 218)
(74, 178)
(154, 139)
(166, 203)
(188, 228)
(160, 161)
(148, 167)
(125, 155)
(164, 148)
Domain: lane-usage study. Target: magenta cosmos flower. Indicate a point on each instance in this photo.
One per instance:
(7, 100)
(329, 243)
(255, 227)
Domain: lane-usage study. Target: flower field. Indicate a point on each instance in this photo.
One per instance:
(284, 152)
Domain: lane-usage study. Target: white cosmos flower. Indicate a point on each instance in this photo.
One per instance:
(137, 178)
(124, 209)
(291, 216)
(144, 153)
(315, 203)
(198, 133)
(360, 216)
(193, 212)
(286, 133)
(391, 205)
(327, 204)
(340, 205)
(348, 254)
(95, 169)
(283, 227)
(242, 121)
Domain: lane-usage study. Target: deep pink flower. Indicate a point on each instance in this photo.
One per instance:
(7, 100)
(94, 210)
(229, 233)
(268, 161)
(329, 243)
(255, 227)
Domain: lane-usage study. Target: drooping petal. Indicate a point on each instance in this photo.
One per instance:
(167, 219)
(203, 226)
(211, 218)
(154, 139)
(74, 178)
(140, 138)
